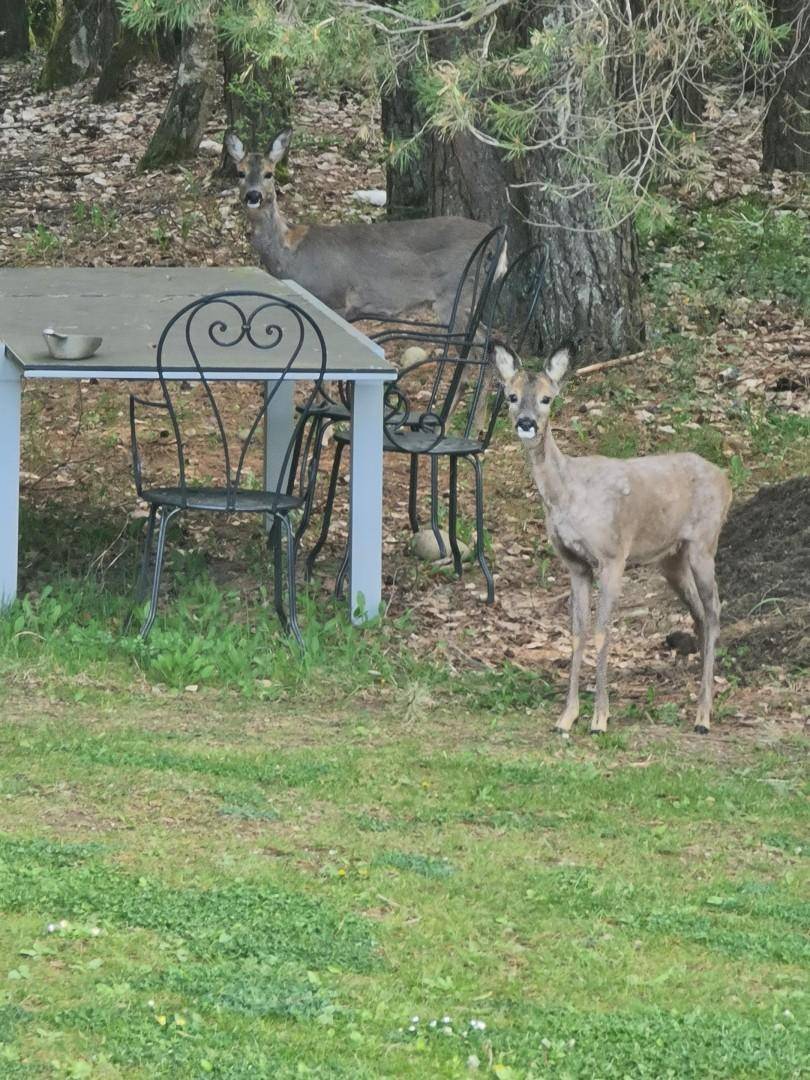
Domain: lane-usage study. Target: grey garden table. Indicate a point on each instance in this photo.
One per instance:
(129, 307)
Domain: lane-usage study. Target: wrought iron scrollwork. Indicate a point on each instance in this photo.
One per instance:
(404, 425)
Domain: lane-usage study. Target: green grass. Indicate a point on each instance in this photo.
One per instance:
(191, 890)
(746, 248)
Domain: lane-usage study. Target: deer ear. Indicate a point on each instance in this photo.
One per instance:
(233, 144)
(558, 365)
(279, 146)
(505, 361)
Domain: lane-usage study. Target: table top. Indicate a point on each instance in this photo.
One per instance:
(129, 307)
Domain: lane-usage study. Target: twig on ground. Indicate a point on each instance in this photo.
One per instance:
(605, 364)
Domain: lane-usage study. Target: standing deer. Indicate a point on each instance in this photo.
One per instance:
(602, 513)
(384, 269)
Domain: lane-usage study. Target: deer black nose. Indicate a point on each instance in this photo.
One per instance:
(525, 423)
(253, 198)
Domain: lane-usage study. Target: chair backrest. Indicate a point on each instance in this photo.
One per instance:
(461, 400)
(268, 333)
(509, 318)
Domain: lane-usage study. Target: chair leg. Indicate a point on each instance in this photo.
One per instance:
(453, 516)
(413, 488)
(274, 539)
(165, 517)
(143, 570)
(292, 607)
(342, 573)
(315, 442)
(327, 512)
(140, 587)
(434, 505)
(308, 422)
(479, 528)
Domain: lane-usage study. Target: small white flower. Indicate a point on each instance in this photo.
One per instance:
(414, 1019)
(94, 932)
(432, 1024)
(447, 1030)
(63, 923)
(52, 927)
(412, 1027)
(150, 1003)
(546, 1043)
(445, 1019)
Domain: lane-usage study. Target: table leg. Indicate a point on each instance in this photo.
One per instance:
(278, 429)
(365, 501)
(10, 400)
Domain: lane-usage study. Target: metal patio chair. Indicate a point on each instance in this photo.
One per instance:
(454, 338)
(270, 329)
(447, 407)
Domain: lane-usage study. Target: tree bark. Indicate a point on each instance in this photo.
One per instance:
(82, 40)
(591, 294)
(42, 20)
(125, 49)
(786, 132)
(189, 106)
(13, 28)
(258, 104)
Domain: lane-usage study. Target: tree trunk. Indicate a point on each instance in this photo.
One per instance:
(82, 41)
(182, 125)
(125, 49)
(42, 20)
(258, 104)
(786, 133)
(591, 294)
(13, 28)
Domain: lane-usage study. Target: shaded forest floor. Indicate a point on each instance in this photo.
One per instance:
(726, 373)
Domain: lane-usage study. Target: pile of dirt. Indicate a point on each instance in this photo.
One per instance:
(763, 570)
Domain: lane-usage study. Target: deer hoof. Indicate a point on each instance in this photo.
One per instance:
(599, 725)
(701, 729)
(565, 723)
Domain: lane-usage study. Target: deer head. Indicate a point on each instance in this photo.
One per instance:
(256, 171)
(529, 394)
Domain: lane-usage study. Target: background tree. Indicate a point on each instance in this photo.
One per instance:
(181, 128)
(82, 39)
(786, 134)
(13, 28)
(258, 88)
(560, 116)
(42, 18)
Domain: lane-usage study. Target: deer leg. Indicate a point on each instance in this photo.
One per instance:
(678, 572)
(701, 562)
(610, 587)
(581, 582)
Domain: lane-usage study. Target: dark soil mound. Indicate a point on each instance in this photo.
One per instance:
(763, 571)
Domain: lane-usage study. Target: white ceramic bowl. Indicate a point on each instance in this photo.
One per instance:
(70, 346)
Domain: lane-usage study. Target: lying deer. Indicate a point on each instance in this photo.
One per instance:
(386, 268)
(602, 513)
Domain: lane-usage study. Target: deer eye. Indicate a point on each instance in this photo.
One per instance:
(268, 176)
(513, 398)
(545, 400)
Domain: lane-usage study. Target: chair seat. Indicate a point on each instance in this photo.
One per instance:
(331, 410)
(217, 499)
(422, 442)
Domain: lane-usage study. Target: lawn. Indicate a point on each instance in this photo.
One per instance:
(194, 885)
